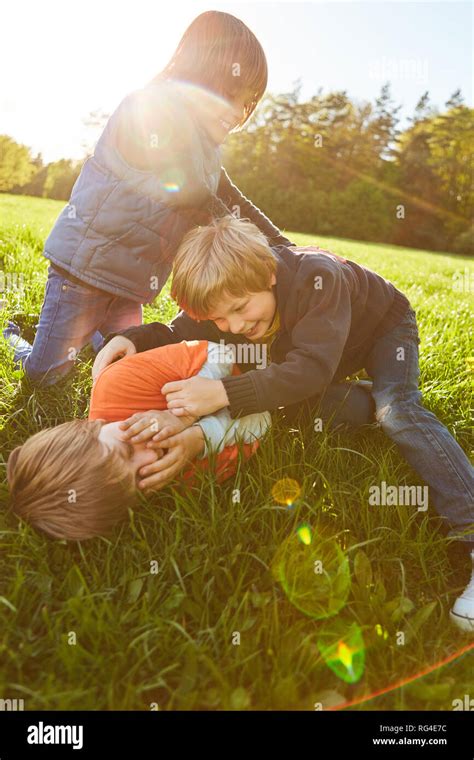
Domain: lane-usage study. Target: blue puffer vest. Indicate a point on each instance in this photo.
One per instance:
(123, 225)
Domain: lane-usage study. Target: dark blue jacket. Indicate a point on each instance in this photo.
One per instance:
(325, 333)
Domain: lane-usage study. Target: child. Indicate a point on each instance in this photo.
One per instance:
(76, 480)
(324, 318)
(156, 172)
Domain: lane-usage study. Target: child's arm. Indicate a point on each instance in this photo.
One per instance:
(216, 431)
(157, 334)
(153, 335)
(231, 196)
(219, 429)
(182, 327)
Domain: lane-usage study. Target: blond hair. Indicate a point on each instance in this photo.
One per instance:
(220, 53)
(229, 257)
(66, 484)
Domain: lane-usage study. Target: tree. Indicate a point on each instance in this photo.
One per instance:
(36, 184)
(455, 100)
(423, 109)
(60, 178)
(16, 167)
(383, 126)
(451, 144)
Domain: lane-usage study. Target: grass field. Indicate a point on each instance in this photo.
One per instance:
(168, 639)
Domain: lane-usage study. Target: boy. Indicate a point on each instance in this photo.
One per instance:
(323, 318)
(76, 480)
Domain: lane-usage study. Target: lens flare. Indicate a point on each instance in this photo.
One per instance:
(314, 573)
(304, 534)
(286, 491)
(343, 651)
(173, 180)
(171, 187)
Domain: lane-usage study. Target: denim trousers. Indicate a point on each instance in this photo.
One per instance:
(72, 316)
(393, 402)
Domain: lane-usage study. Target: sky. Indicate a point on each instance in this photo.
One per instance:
(62, 60)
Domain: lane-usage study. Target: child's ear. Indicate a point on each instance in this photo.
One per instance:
(12, 460)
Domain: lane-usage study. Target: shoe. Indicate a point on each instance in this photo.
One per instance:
(11, 329)
(27, 324)
(462, 613)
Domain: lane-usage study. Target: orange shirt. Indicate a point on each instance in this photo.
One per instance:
(133, 384)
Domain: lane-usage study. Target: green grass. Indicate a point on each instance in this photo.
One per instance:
(168, 638)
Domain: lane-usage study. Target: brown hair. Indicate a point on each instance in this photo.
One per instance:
(229, 256)
(65, 483)
(208, 52)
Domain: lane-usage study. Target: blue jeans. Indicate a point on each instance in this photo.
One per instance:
(393, 402)
(72, 316)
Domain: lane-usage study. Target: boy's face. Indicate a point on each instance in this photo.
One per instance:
(251, 315)
(135, 455)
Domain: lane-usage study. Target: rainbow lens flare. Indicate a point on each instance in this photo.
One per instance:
(286, 491)
(314, 573)
(304, 534)
(173, 180)
(343, 651)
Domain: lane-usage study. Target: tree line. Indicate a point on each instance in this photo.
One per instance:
(330, 166)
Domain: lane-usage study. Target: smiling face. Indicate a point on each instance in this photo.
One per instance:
(220, 114)
(251, 315)
(135, 455)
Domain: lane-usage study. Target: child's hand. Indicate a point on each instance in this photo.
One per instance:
(157, 425)
(116, 348)
(196, 395)
(182, 449)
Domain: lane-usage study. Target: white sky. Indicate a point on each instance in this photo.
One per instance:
(61, 60)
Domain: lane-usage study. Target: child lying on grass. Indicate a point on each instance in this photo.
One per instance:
(323, 318)
(77, 480)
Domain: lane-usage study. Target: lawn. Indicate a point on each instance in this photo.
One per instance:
(209, 600)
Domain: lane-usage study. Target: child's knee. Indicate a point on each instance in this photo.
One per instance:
(393, 414)
(382, 413)
(44, 377)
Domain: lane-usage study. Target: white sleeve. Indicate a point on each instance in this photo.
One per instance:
(219, 429)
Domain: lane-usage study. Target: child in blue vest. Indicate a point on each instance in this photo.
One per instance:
(155, 173)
